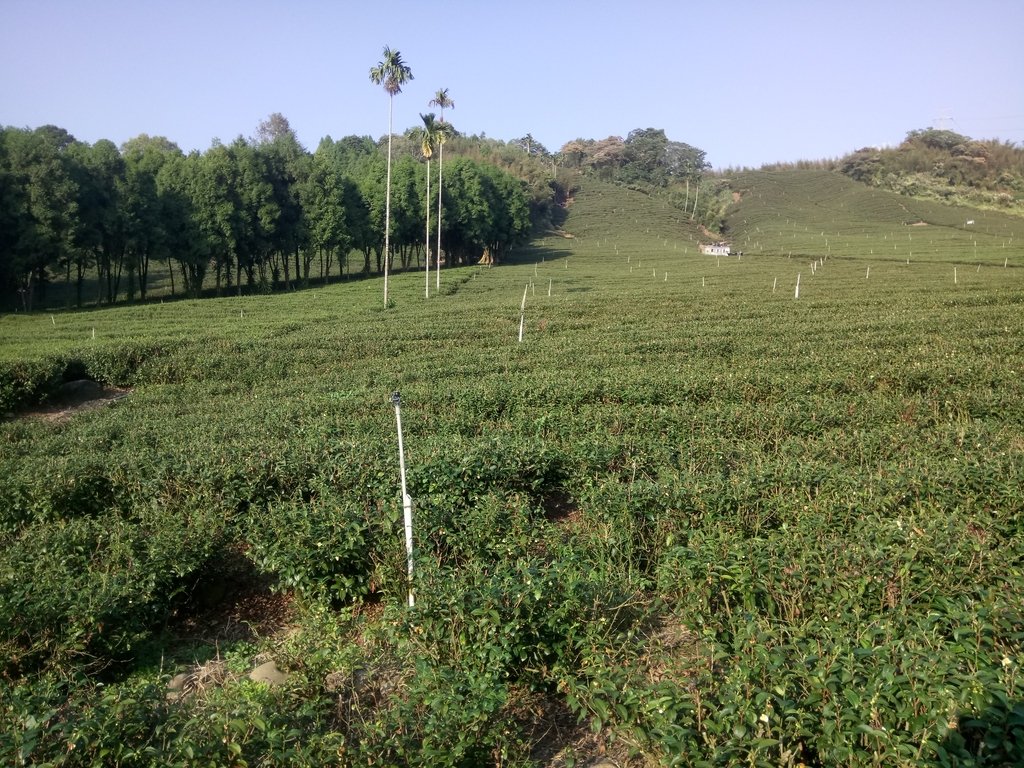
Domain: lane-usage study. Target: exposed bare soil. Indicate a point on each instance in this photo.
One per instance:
(72, 397)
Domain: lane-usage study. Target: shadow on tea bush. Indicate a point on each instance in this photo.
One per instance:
(994, 737)
(85, 591)
(321, 549)
(467, 472)
(23, 382)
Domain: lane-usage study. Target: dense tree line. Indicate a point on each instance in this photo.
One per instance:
(645, 156)
(945, 165)
(257, 214)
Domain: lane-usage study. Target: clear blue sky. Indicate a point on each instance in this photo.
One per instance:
(749, 82)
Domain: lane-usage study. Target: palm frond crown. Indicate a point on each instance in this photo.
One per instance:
(428, 135)
(391, 72)
(442, 101)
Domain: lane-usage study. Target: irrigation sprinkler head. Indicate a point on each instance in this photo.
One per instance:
(396, 398)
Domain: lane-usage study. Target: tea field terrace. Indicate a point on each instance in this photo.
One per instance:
(715, 522)
(817, 213)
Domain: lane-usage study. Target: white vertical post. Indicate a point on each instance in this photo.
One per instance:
(522, 313)
(796, 295)
(396, 400)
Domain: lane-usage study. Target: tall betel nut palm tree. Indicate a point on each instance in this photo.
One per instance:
(392, 73)
(442, 101)
(428, 136)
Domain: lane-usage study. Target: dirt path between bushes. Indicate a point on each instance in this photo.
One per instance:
(71, 398)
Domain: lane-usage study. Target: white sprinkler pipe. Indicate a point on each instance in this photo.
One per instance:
(396, 400)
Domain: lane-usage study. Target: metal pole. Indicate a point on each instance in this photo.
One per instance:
(396, 400)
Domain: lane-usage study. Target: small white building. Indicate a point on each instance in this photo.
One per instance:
(720, 248)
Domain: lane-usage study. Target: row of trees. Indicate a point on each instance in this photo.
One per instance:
(257, 213)
(261, 212)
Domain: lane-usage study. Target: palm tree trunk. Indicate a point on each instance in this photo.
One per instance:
(426, 241)
(440, 181)
(387, 204)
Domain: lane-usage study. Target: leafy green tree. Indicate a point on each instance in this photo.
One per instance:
(40, 165)
(863, 165)
(406, 210)
(936, 138)
(218, 210)
(442, 101)
(607, 156)
(287, 164)
(372, 181)
(258, 216)
(392, 73)
(326, 196)
(486, 211)
(238, 213)
(14, 219)
(99, 237)
(353, 150)
(466, 210)
(530, 145)
(178, 184)
(683, 161)
(510, 222)
(360, 166)
(142, 208)
(645, 154)
(55, 136)
(574, 153)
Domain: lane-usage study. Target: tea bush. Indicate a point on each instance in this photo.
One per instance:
(28, 381)
(322, 549)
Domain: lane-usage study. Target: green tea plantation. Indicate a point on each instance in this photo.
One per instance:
(759, 510)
